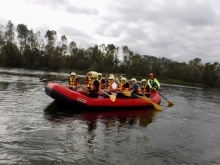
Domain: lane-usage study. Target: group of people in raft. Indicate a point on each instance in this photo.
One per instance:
(96, 85)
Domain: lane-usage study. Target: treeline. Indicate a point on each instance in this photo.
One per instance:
(23, 48)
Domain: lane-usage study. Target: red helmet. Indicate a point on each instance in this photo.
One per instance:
(151, 75)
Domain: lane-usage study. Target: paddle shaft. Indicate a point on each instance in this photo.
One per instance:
(104, 92)
(162, 95)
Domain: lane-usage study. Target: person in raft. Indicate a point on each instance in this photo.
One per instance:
(153, 83)
(119, 81)
(125, 86)
(73, 82)
(112, 86)
(145, 88)
(101, 80)
(88, 79)
(93, 90)
(135, 87)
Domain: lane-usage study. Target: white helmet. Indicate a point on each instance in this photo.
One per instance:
(111, 78)
(143, 80)
(124, 79)
(73, 74)
(134, 79)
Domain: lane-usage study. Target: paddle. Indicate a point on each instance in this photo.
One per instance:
(129, 94)
(112, 97)
(169, 102)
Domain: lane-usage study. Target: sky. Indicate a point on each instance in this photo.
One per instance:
(180, 30)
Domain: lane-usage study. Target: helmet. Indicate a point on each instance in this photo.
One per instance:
(134, 79)
(94, 74)
(124, 79)
(111, 78)
(151, 75)
(99, 74)
(111, 75)
(73, 74)
(143, 80)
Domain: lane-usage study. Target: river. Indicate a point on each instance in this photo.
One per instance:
(35, 129)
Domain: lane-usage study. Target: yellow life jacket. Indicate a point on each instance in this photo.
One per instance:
(72, 82)
(119, 84)
(89, 81)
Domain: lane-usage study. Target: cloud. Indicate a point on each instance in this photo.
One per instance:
(179, 30)
(80, 37)
(64, 5)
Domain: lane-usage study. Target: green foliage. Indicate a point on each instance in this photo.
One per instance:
(37, 52)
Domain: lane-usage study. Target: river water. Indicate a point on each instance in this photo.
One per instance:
(35, 129)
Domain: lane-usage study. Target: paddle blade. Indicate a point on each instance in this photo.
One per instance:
(156, 106)
(170, 103)
(145, 99)
(126, 93)
(112, 97)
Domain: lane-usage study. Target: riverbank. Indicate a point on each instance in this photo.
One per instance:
(80, 73)
(179, 82)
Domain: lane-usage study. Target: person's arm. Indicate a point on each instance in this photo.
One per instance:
(86, 76)
(158, 84)
(148, 82)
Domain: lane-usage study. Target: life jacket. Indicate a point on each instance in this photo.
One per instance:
(110, 89)
(138, 91)
(144, 89)
(119, 84)
(123, 86)
(89, 82)
(73, 82)
(153, 83)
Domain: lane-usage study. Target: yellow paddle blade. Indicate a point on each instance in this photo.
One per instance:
(145, 99)
(156, 106)
(112, 97)
(170, 103)
(126, 93)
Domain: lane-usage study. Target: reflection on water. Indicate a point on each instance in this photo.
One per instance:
(37, 130)
(121, 117)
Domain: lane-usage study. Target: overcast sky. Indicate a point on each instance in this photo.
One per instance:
(180, 30)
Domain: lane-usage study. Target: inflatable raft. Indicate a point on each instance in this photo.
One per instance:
(67, 96)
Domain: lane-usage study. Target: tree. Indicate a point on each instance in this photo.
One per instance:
(51, 36)
(9, 32)
(22, 34)
(211, 74)
(64, 44)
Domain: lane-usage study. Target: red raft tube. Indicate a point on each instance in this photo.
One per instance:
(67, 96)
